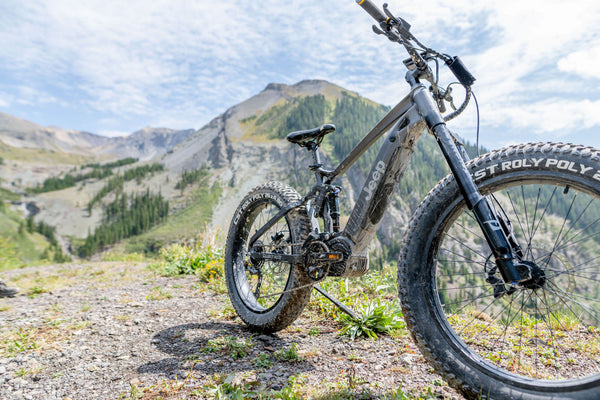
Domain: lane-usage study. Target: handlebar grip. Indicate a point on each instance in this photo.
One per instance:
(372, 9)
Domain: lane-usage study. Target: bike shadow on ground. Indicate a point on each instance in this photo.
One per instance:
(189, 342)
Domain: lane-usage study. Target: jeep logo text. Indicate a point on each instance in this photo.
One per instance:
(377, 174)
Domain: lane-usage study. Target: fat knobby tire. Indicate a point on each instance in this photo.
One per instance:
(291, 303)
(439, 344)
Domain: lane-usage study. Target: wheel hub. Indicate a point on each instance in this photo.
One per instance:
(538, 276)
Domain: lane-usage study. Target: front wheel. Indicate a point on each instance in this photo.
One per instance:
(541, 341)
(267, 295)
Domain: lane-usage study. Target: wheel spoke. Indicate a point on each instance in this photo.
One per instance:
(527, 332)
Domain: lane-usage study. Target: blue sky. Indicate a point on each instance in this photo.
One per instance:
(113, 67)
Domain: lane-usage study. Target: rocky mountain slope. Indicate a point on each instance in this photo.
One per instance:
(241, 148)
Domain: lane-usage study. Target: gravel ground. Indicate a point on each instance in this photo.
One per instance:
(115, 330)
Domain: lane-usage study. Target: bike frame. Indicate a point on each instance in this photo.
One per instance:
(416, 113)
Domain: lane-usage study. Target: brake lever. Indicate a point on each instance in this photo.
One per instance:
(400, 24)
(438, 95)
(377, 30)
(387, 12)
(448, 97)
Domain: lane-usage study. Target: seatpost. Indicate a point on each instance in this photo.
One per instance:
(316, 165)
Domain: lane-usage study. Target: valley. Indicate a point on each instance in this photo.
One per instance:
(67, 179)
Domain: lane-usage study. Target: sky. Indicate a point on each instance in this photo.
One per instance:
(113, 67)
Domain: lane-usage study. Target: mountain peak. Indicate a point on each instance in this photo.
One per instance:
(306, 83)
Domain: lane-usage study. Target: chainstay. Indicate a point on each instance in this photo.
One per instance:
(283, 245)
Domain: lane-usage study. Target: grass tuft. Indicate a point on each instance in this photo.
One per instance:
(374, 318)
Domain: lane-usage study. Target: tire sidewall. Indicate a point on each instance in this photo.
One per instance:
(475, 376)
(275, 317)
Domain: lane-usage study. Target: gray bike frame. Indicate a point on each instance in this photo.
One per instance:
(387, 170)
(414, 114)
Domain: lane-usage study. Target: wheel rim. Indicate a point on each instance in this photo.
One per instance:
(549, 328)
(260, 284)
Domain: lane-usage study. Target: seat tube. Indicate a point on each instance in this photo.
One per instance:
(482, 210)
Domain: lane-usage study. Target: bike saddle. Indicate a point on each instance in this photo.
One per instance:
(302, 138)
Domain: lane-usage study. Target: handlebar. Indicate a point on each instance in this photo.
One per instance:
(373, 10)
(397, 30)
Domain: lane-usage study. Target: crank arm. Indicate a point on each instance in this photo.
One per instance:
(325, 258)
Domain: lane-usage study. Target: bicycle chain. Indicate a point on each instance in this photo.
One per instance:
(274, 246)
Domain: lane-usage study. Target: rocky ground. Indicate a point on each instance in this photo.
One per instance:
(117, 330)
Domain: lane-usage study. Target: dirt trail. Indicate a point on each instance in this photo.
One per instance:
(116, 330)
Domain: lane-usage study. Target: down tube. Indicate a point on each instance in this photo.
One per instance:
(382, 181)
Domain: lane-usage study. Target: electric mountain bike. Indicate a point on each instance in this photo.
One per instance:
(499, 273)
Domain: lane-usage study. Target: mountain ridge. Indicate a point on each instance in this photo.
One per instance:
(144, 144)
(241, 148)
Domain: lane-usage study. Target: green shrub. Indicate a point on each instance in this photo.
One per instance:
(9, 258)
(229, 345)
(374, 318)
(288, 353)
(204, 261)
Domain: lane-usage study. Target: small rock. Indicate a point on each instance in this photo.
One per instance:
(18, 382)
(407, 360)
(264, 338)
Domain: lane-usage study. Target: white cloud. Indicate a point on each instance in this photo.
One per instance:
(5, 100)
(178, 63)
(585, 62)
(553, 115)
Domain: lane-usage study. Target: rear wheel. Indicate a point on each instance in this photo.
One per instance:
(543, 340)
(267, 295)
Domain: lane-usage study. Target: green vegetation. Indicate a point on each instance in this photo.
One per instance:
(22, 241)
(54, 251)
(203, 260)
(308, 112)
(126, 217)
(99, 172)
(248, 119)
(354, 117)
(111, 165)
(113, 185)
(229, 345)
(138, 173)
(9, 257)
(69, 180)
(7, 195)
(184, 224)
(116, 184)
(190, 177)
(374, 318)
(288, 354)
(270, 121)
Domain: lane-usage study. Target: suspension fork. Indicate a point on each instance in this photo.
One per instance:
(478, 204)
